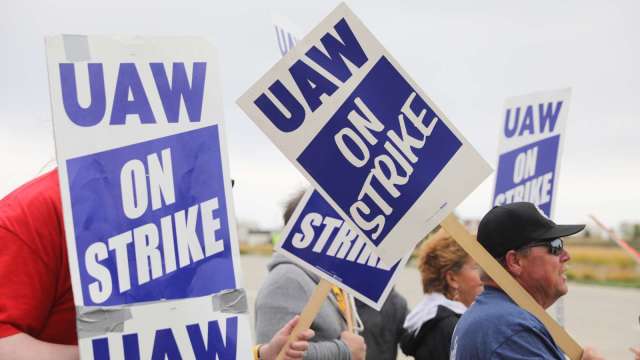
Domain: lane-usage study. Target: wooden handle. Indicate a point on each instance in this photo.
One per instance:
(308, 313)
(459, 233)
(347, 312)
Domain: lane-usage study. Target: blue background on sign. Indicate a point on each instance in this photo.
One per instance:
(384, 91)
(546, 162)
(367, 280)
(94, 182)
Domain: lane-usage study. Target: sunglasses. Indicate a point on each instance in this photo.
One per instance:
(555, 246)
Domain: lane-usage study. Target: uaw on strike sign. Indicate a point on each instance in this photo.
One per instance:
(530, 147)
(317, 239)
(146, 197)
(368, 138)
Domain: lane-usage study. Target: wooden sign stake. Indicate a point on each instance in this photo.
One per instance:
(348, 313)
(308, 313)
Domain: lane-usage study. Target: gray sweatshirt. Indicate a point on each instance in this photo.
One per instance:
(284, 294)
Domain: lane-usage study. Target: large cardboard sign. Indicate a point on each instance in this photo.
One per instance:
(146, 197)
(320, 241)
(530, 148)
(374, 145)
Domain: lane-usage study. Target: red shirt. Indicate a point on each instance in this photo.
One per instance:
(35, 286)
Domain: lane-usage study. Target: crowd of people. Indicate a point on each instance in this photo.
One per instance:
(464, 314)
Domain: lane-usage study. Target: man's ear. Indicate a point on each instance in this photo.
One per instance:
(513, 263)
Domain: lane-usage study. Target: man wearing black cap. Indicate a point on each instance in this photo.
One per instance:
(530, 247)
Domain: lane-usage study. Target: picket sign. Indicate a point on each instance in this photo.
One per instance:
(530, 147)
(146, 196)
(366, 136)
(510, 286)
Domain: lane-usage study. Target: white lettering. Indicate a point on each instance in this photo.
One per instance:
(346, 151)
(210, 225)
(100, 290)
(146, 242)
(330, 225)
(188, 244)
(133, 183)
(310, 220)
(118, 244)
(364, 125)
(161, 179)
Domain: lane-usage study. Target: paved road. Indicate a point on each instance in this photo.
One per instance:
(602, 317)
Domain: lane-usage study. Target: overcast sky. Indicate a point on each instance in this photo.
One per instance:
(468, 56)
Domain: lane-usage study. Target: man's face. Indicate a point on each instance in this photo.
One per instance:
(543, 274)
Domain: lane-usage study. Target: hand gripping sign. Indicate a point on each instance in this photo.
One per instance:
(146, 197)
(530, 148)
(366, 136)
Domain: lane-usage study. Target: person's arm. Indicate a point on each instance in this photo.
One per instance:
(24, 347)
(26, 296)
(281, 298)
(295, 350)
(527, 344)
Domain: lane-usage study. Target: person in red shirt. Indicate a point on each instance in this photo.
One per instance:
(37, 313)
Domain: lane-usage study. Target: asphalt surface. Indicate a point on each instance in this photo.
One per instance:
(602, 317)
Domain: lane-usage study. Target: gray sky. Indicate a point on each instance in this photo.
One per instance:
(468, 56)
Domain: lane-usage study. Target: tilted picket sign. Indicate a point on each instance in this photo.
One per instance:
(366, 136)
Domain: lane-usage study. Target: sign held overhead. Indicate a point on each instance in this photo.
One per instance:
(368, 138)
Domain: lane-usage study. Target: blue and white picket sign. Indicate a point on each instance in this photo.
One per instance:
(529, 150)
(320, 241)
(286, 33)
(146, 194)
(341, 108)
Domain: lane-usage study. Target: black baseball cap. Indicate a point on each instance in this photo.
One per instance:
(512, 226)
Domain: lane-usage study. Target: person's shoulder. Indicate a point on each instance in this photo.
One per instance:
(286, 276)
(287, 272)
(33, 214)
(447, 317)
(433, 339)
(494, 313)
(43, 185)
(397, 300)
(493, 302)
(395, 303)
(40, 195)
